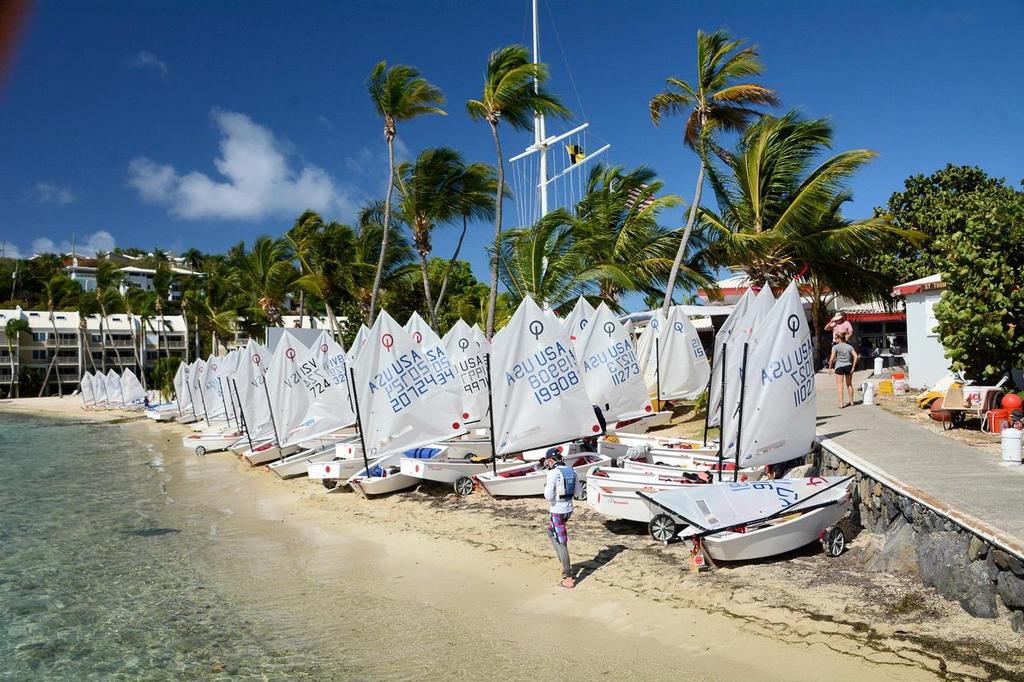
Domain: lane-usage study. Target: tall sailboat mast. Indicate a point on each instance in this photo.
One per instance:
(539, 135)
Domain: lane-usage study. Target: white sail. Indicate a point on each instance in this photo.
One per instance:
(682, 363)
(405, 399)
(468, 357)
(736, 319)
(85, 386)
(198, 392)
(611, 369)
(252, 396)
(357, 344)
(538, 395)
(216, 404)
(720, 506)
(420, 331)
(582, 315)
(758, 306)
(778, 415)
(182, 394)
(646, 348)
(99, 389)
(132, 387)
(115, 395)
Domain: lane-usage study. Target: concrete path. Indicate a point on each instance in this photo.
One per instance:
(967, 484)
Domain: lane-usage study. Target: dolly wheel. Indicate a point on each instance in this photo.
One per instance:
(201, 450)
(581, 492)
(329, 483)
(464, 486)
(662, 528)
(834, 541)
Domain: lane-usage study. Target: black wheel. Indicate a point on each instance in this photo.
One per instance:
(662, 528)
(581, 492)
(834, 542)
(464, 486)
(201, 450)
(329, 483)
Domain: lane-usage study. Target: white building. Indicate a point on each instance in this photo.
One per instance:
(83, 271)
(925, 355)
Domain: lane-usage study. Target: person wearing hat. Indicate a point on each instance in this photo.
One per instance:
(839, 325)
(561, 485)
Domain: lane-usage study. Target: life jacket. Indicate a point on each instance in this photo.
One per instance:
(568, 482)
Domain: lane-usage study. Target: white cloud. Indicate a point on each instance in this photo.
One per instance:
(148, 60)
(259, 179)
(101, 240)
(51, 193)
(10, 250)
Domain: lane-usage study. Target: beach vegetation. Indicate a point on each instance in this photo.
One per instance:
(12, 329)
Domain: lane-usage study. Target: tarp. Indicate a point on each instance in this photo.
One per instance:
(611, 370)
(537, 386)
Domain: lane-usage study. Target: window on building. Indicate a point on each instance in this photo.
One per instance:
(39, 336)
(40, 355)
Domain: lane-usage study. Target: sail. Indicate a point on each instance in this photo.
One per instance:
(538, 395)
(582, 315)
(646, 347)
(736, 319)
(721, 506)
(420, 331)
(468, 357)
(309, 389)
(181, 395)
(357, 343)
(85, 386)
(213, 388)
(252, 396)
(115, 394)
(99, 389)
(759, 306)
(682, 362)
(198, 392)
(132, 388)
(406, 398)
(779, 413)
(611, 369)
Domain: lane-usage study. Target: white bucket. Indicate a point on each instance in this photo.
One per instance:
(869, 393)
(899, 386)
(879, 365)
(1011, 440)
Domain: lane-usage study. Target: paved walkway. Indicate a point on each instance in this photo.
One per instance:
(964, 483)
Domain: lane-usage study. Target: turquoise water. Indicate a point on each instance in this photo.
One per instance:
(95, 582)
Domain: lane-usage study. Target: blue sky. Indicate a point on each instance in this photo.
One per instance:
(119, 120)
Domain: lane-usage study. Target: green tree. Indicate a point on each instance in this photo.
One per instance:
(398, 262)
(398, 94)
(14, 327)
(266, 276)
(513, 92)
(58, 290)
(714, 101)
(108, 283)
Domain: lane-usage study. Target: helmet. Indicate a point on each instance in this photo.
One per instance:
(552, 458)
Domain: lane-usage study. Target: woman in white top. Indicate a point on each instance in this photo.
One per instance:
(842, 361)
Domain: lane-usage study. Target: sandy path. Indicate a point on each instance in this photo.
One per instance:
(456, 587)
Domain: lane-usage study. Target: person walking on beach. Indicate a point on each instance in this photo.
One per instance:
(843, 360)
(562, 483)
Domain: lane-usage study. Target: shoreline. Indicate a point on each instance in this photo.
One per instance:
(484, 565)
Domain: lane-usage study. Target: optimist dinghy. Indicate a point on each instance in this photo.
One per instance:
(346, 463)
(202, 443)
(747, 521)
(297, 464)
(385, 476)
(528, 478)
(613, 492)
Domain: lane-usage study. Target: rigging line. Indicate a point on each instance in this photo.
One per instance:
(568, 70)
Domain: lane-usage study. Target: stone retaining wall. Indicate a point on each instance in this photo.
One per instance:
(987, 581)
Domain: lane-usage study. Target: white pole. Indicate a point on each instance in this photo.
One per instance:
(538, 124)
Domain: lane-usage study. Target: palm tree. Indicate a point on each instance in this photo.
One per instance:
(779, 214)
(368, 250)
(56, 289)
(14, 327)
(513, 91)
(617, 226)
(85, 306)
(162, 280)
(429, 193)
(475, 200)
(326, 256)
(108, 282)
(545, 262)
(398, 94)
(267, 276)
(715, 101)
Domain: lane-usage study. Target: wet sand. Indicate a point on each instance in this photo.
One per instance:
(424, 584)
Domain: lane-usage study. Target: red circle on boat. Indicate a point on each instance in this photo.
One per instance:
(648, 408)
(327, 468)
(417, 468)
(465, 415)
(596, 428)
(455, 425)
